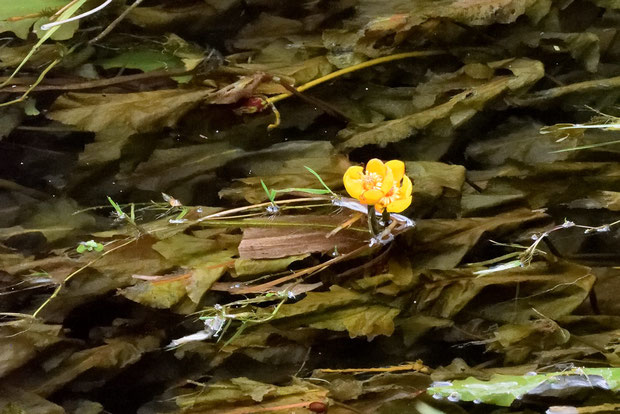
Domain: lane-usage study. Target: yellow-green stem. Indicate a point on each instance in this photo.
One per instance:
(354, 68)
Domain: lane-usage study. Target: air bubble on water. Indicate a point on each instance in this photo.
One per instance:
(437, 396)
(568, 224)
(477, 401)
(531, 373)
(454, 397)
(603, 229)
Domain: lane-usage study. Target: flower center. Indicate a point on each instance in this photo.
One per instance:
(371, 181)
(391, 196)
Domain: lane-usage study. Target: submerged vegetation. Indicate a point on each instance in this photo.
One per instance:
(176, 235)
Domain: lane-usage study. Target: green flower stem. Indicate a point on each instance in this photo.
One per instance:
(385, 216)
(373, 224)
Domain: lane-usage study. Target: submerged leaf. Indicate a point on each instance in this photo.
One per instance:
(112, 357)
(115, 117)
(442, 244)
(510, 296)
(281, 166)
(241, 395)
(21, 340)
(17, 401)
(340, 310)
(457, 110)
(55, 219)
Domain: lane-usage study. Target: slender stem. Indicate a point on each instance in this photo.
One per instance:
(99, 83)
(373, 224)
(34, 85)
(328, 108)
(112, 25)
(260, 205)
(385, 216)
(353, 68)
(305, 272)
(68, 278)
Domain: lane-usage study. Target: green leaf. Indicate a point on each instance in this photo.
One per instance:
(21, 27)
(145, 60)
(171, 53)
(502, 390)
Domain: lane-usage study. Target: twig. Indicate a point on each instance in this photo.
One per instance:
(68, 278)
(295, 275)
(411, 366)
(116, 21)
(328, 108)
(100, 82)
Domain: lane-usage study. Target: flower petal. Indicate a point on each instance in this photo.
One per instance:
(376, 166)
(406, 188)
(371, 197)
(398, 169)
(388, 181)
(353, 181)
(399, 205)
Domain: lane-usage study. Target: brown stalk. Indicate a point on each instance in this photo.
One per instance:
(99, 83)
(269, 285)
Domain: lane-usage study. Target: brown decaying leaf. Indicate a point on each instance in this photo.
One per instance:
(305, 234)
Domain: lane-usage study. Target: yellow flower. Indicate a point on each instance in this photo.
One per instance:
(381, 185)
